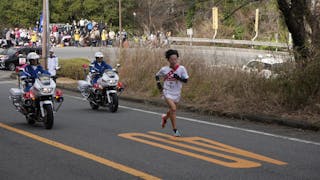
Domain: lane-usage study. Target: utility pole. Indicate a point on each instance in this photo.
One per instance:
(120, 25)
(120, 30)
(45, 27)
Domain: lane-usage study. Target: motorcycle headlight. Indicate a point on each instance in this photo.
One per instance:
(46, 90)
(112, 82)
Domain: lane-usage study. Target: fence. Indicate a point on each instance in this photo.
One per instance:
(229, 41)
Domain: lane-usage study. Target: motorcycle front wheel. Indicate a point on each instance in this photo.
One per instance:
(48, 118)
(113, 105)
(30, 120)
(94, 106)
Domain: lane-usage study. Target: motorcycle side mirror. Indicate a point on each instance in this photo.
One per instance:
(118, 65)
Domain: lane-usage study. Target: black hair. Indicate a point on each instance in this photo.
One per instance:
(171, 52)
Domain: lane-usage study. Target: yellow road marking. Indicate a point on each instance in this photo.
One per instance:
(79, 152)
(223, 147)
(233, 162)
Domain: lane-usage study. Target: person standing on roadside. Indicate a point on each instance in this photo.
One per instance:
(9, 38)
(34, 39)
(53, 64)
(104, 36)
(76, 37)
(112, 35)
(173, 77)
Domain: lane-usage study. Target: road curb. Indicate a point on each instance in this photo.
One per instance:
(261, 118)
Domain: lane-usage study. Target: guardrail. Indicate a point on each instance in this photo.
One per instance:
(229, 41)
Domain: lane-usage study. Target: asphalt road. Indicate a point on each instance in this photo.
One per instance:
(129, 144)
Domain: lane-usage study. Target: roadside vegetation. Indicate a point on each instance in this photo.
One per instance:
(72, 68)
(216, 90)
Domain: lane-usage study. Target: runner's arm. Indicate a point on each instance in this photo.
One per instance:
(176, 76)
(158, 83)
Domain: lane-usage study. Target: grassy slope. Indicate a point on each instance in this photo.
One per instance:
(217, 89)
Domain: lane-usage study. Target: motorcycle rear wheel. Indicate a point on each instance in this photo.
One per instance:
(113, 106)
(48, 118)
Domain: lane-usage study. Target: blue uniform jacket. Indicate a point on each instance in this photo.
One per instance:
(99, 68)
(33, 73)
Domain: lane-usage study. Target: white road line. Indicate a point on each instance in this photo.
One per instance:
(7, 82)
(219, 125)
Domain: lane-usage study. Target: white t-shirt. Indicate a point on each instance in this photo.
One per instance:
(112, 34)
(81, 23)
(170, 84)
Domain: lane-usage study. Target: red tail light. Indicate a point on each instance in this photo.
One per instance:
(120, 85)
(96, 86)
(58, 96)
(29, 95)
(59, 93)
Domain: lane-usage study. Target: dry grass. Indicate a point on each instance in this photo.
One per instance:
(216, 89)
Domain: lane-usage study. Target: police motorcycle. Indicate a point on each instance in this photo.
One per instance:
(105, 92)
(40, 102)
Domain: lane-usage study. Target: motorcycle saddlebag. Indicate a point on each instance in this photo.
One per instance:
(83, 84)
(15, 95)
(15, 92)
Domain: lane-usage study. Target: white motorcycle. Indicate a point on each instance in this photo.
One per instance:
(38, 104)
(105, 92)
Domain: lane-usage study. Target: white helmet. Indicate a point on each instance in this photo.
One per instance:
(33, 55)
(98, 54)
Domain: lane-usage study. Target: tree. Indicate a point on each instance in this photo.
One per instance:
(303, 21)
(15, 13)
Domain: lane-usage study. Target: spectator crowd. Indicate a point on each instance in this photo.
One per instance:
(81, 34)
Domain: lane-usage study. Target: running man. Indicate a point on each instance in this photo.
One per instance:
(173, 77)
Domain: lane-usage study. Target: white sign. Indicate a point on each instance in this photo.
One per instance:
(189, 32)
(22, 61)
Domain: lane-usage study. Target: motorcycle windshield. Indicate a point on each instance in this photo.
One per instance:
(44, 79)
(109, 73)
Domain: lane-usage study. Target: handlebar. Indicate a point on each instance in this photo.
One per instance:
(27, 79)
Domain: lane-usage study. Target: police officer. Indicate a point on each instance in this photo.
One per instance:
(98, 66)
(32, 70)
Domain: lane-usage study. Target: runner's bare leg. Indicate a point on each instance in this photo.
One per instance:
(171, 112)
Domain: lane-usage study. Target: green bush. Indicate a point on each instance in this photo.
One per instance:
(72, 68)
(301, 87)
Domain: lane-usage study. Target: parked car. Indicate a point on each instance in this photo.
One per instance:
(264, 65)
(16, 56)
